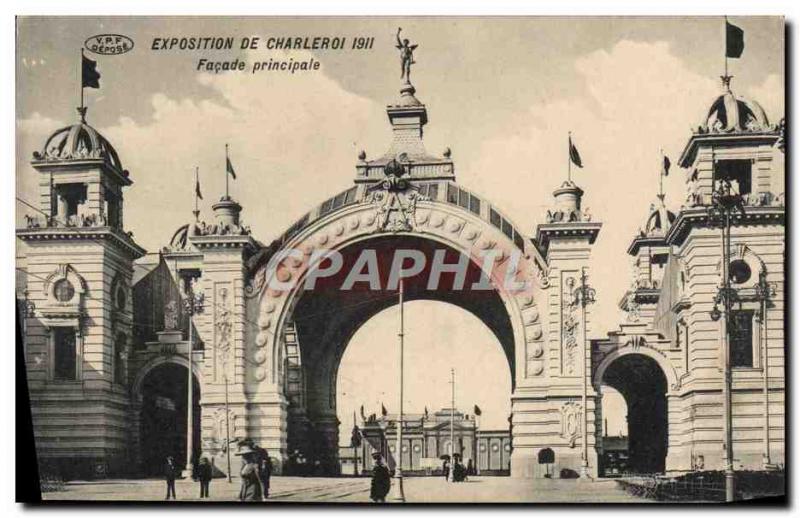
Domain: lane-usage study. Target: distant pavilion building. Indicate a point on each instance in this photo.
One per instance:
(426, 439)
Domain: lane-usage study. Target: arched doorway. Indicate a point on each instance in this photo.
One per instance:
(642, 383)
(327, 317)
(438, 336)
(164, 417)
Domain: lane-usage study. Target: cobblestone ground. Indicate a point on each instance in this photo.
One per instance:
(417, 490)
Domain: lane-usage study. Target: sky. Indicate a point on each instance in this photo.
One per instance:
(502, 93)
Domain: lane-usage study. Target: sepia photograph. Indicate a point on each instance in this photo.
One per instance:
(376, 260)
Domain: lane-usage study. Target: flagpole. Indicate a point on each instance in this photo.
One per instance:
(569, 158)
(661, 175)
(355, 447)
(227, 173)
(725, 43)
(196, 201)
(452, 421)
(81, 81)
(399, 495)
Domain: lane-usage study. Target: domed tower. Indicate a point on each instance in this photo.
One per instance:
(650, 252)
(565, 241)
(734, 141)
(736, 151)
(80, 264)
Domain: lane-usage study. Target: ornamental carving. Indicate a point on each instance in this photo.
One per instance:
(395, 200)
(256, 282)
(636, 342)
(632, 308)
(221, 427)
(569, 328)
(571, 413)
(171, 316)
(222, 326)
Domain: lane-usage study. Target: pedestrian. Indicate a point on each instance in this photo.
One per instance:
(459, 472)
(251, 485)
(381, 480)
(203, 474)
(264, 470)
(170, 473)
(446, 468)
(470, 468)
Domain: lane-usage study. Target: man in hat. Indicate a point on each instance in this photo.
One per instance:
(251, 485)
(264, 470)
(203, 472)
(170, 473)
(381, 480)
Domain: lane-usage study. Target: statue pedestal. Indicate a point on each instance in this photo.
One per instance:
(171, 336)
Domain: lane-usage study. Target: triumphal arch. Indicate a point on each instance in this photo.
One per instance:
(280, 316)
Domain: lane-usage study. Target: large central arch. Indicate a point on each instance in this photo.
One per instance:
(326, 319)
(295, 352)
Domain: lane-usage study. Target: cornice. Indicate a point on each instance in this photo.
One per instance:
(111, 234)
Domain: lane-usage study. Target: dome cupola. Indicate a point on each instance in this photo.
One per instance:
(731, 113)
(659, 220)
(80, 141)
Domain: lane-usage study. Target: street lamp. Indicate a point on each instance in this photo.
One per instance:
(725, 204)
(584, 295)
(192, 304)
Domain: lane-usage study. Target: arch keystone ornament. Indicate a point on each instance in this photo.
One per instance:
(395, 200)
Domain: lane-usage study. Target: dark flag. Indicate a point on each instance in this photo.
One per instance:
(384, 412)
(574, 156)
(477, 410)
(229, 168)
(90, 77)
(666, 166)
(426, 413)
(734, 40)
(197, 188)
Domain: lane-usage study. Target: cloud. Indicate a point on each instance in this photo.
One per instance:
(31, 134)
(770, 95)
(641, 98)
(293, 142)
(38, 125)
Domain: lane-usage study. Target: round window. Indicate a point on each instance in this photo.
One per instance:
(120, 299)
(740, 271)
(63, 290)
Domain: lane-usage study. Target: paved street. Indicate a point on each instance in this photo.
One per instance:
(417, 490)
